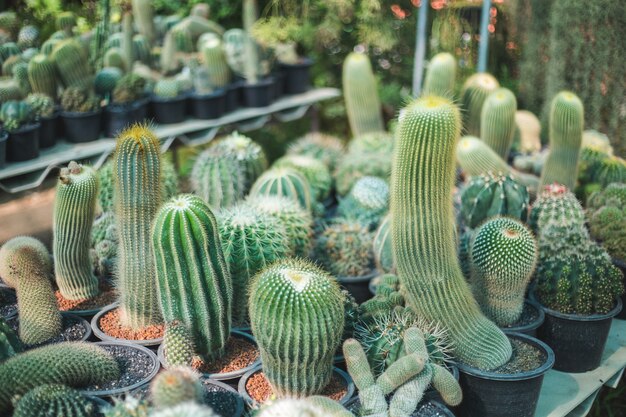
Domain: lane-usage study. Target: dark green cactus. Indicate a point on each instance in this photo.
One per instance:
(54, 400)
(10, 344)
(283, 182)
(9, 90)
(367, 202)
(345, 249)
(178, 345)
(440, 76)
(497, 121)
(473, 94)
(555, 204)
(76, 364)
(175, 386)
(106, 79)
(15, 114)
(326, 148)
(217, 179)
(383, 251)
(72, 63)
(361, 95)
(20, 75)
(607, 218)
(422, 219)
(297, 354)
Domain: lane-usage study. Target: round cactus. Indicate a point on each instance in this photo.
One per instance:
(473, 94)
(186, 409)
(166, 88)
(176, 385)
(315, 172)
(440, 75)
(283, 182)
(497, 125)
(297, 354)
(367, 202)
(42, 75)
(178, 345)
(555, 204)
(344, 248)
(217, 179)
(383, 251)
(320, 146)
(54, 400)
(376, 142)
(355, 165)
(249, 156)
(106, 79)
(28, 37)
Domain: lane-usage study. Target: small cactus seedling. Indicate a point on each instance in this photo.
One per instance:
(186, 409)
(175, 386)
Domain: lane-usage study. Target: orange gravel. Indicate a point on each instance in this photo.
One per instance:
(239, 353)
(107, 296)
(259, 388)
(110, 324)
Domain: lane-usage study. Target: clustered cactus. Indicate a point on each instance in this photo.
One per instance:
(607, 218)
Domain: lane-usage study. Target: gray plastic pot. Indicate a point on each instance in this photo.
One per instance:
(441, 410)
(64, 316)
(241, 387)
(531, 328)
(359, 286)
(95, 325)
(226, 376)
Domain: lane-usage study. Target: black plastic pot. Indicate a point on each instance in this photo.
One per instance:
(359, 286)
(118, 117)
(260, 94)
(426, 408)
(280, 79)
(209, 106)
(233, 96)
(529, 329)
(297, 76)
(48, 131)
(169, 110)
(488, 394)
(23, 143)
(622, 266)
(578, 341)
(4, 136)
(82, 127)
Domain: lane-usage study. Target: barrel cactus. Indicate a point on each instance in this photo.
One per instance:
(345, 249)
(42, 75)
(217, 179)
(367, 202)
(383, 251)
(473, 94)
(283, 182)
(54, 400)
(166, 88)
(440, 75)
(315, 172)
(178, 345)
(297, 355)
(323, 147)
(176, 385)
(497, 121)
(247, 154)
(72, 64)
(555, 204)
(361, 95)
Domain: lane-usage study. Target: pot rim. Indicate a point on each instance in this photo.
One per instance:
(27, 128)
(261, 83)
(216, 93)
(178, 99)
(100, 334)
(304, 62)
(363, 278)
(520, 376)
(530, 326)
(577, 317)
(438, 405)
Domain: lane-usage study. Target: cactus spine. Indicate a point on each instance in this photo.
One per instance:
(71, 63)
(361, 95)
(423, 232)
(383, 251)
(42, 76)
(473, 94)
(178, 345)
(296, 352)
(137, 182)
(194, 284)
(566, 133)
(54, 400)
(74, 209)
(497, 121)
(440, 76)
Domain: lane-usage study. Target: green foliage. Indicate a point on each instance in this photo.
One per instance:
(129, 88)
(475, 91)
(344, 248)
(383, 251)
(283, 182)
(421, 185)
(54, 400)
(316, 173)
(175, 386)
(217, 179)
(326, 148)
(79, 100)
(440, 76)
(497, 121)
(178, 344)
(297, 354)
(367, 202)
(361, 95)
(10, 344)
(71, 62)
(555, 204)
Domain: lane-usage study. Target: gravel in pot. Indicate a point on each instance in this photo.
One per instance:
(75, 329)
(88, 307)
(107, 327)
(8, 303)
(426, 408)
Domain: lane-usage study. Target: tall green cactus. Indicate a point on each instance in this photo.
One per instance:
(423, 232)
(214, 59)
(74, 211)
(194, 283)
(473, 94)
(137, 173)
(143, 12)
(72, 64)
(284, 182)
(503, 258)
(361, 95)
(566, 133)
(297, 353)
(440, 76)
(54, 400)
(26, 265)
(497, 121)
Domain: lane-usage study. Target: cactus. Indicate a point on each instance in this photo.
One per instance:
(10, 63)
(251, 240)
(566, 129)
(440, 76)
(355, 165)
(169, 62)
(10, 344)
(9, 90)
(141, 50)
(194, 285)
(283, 182)
(388, 298)
(129, 407)
(315, 172)
(186, 409)
(76, 364)
(176, 385)
(473, 94)
(377, 142)
(178, 344)
(106, 79)
(75, 99)
(166, 88)
(72, 64)
(137, 182)
(609, 170)
(48, 46)
(217, 179)
(326, 148)
(607, 218)
(248, 155)
(15, 114)
(555, 204)
(497, 121)
(54, 400)
(41, 104)
(297, 354)
(8, 50)
(344, 248)
(382, 248)
(214, 60)
(66, 21)
(74, 209)
(28, 37)
(361, 95)
(367, 202)
(242, 55)
(315, 406)
(20, 75)
(421, 210)
(9, 23)
(491, 195)
(26, 265)
(128, 89)
(503, 258)
(143, 12)
(114, 57)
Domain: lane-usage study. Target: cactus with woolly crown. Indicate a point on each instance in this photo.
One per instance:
(316, 173)
(214, 59)
(176, 385)
(194, 284)
(440, 76)
(283, 182)
(326, 148)
(421, 210)
(74, 211)
(297, 355)
(503, 259)
(251, 241)
(491, 195)
(185, 409)
(381, 246)
(178, 344)
(71, 62)
(345, 249)
(555, 204)
(497, 121)
(54, 400)
(361, 95)
(76, 364)
(367, 202)
(137, 187)
(474, 92)
(10, 344)
(26, 265)
(566, 130)
(247, 154)
(217, 179)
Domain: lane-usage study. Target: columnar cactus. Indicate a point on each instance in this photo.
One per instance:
(66, 21)
(217, 179)
(71, 62)
(503, 258)
(248, 155)
(423, 232)
(143, 12)
(361, 95)
(114, 58)
(42, 75)
(555, 204)
(214, 60)
(137, 182)
(315, 172)
(323, 147)
(383, 251)
(473, 94)
(491, 195)
(10, 344)
(54, 400)
(367, 202)
(440, 76)
(76, 364)
(176, 385)
(297, 354)
(497, 121)
(26, 265)
(566, 130)
(283, 182)
(74, 208)
(194, 285)
(345, 249)
(178, 345)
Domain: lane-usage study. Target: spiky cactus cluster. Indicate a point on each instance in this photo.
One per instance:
(41, 104)
(247, 154)
(194, 285)
(10, 344)
(137, 189)
(176, 385)
(555, 204)
(383, 251)
(323, 147)
(54, 400)
(178, 345)
(493, 194)
(26, 265)
(75, 364)
(473, 95)
(15, 114)
(316, 173)
(422, 219)
(367, 202)
(344, 248)
(497, 121)
(128, 89)
(74, 208)
(283, 182)
(440, 76)
(297, 354)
